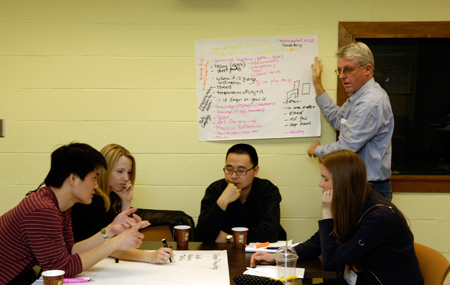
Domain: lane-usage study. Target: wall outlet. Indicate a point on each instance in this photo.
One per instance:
(2, 128)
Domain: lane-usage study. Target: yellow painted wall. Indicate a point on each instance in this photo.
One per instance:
(103, 71)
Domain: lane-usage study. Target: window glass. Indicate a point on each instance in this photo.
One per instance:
(416, 75)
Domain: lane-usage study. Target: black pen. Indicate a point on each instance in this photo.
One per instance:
(165, 245)
(117, 260)
(275, 247)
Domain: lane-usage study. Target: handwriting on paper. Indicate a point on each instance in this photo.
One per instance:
(214, 260)
(256, 88)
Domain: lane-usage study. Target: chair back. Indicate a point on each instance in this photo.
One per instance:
(163, 223)
(157, 233)
(433, 264)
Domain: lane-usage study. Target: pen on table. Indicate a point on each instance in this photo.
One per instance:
(76, 280)
(273, 247)
(165, 245)
(259, 245)
(292, 277)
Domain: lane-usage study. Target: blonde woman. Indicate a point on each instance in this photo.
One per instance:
(38, 230)
(113, 196)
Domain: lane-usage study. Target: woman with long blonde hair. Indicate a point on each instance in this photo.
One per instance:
(115, 184)
(113, 195)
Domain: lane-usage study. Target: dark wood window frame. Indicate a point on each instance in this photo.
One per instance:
(352, 31)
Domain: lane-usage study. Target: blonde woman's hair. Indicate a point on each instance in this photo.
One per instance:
(112, 153)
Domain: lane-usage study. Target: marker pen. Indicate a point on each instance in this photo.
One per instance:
(290, 278)
(76, 280)
(259, 245)
(165, 245)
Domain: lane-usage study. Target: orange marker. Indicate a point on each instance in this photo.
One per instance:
(259, 245)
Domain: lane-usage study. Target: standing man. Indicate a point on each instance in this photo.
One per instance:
(365, 120)
(240, 200)
(38, 231)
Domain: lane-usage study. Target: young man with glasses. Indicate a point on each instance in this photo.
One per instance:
(365, 120)
(240, 200)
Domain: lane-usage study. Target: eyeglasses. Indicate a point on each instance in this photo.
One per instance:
(238, 172)
(347, 70)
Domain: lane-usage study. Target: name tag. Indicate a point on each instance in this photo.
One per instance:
(343, 121)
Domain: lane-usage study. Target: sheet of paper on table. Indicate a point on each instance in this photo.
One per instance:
(251, 247)
(187, 267)
(270, 271)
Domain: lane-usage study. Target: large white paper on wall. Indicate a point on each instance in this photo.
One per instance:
(256, 88)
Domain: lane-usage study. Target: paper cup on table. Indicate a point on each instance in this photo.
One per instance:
(53, 277)
(182, 235)
(240, 237)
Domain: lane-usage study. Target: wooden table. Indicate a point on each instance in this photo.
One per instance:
(239, 260)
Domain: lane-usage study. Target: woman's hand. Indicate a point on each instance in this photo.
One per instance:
(126, 194)
(261, 257)
(327, 198)
(160, 256)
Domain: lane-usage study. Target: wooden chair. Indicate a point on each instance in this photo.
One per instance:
(157, 233)
(433, 265)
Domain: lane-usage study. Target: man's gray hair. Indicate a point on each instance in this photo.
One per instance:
(357, 51)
